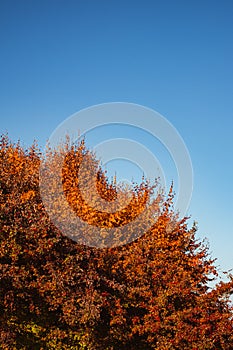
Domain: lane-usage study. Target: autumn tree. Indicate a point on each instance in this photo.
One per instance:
(145, 291)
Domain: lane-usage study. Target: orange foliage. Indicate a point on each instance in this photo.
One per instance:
(55, 293)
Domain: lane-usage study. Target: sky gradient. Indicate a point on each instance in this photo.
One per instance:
(176, 57)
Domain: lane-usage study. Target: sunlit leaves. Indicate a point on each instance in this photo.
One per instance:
(56, 294)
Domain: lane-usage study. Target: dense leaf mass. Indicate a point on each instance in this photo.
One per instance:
(55, 293)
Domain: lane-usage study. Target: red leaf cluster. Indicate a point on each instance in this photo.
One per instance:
(153, 293)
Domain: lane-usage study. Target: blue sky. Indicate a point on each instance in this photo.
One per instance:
(176, 57)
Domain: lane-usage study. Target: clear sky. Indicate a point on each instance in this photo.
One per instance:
(59, 56)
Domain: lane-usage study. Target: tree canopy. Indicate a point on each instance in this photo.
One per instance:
(145, 291)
